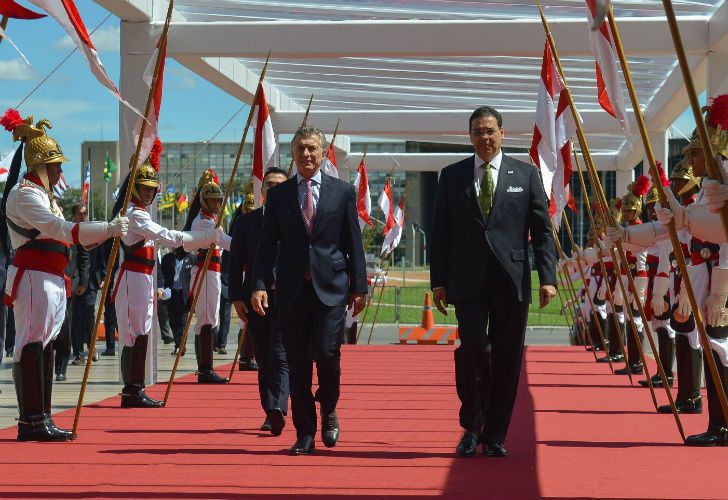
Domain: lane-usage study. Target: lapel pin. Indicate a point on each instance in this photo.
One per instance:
(510, 172)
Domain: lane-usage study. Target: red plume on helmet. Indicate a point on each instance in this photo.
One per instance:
(641, 186)
(718, 112)
(663, 177)
(11, 120)
(155, 154)
(618, 205)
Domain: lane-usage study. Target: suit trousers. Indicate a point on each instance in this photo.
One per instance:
(110, 323)
(492, 330)
(271, 357)
(163, 318)
(62, 344)
(311, 333)
(224, 327)
(177, 310)
(83, 318)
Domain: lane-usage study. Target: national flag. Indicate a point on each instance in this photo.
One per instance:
(182, 201)
(238, 201)
(5, 162)
(609, 90)
(551, 146)
(86, 183)
(329, 164)
(4, 36)
(167, 199)
(170, 189)
(11, 9)
(264, 145)
(387, 206)
(363, 196)
(109, 168)
(391, 241)
(65, 12)
(151, 131)
(60, 188)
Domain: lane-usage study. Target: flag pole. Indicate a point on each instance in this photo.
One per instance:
(208, 256)
(3, 25)
(115, 246)
(241, 341)
(303, 124)
(676, 246)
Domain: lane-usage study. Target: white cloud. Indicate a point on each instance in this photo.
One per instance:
(182, 79)
(56, 110)
(104, 39)
(15, 69)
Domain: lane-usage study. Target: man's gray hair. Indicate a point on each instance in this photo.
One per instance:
(308, 131)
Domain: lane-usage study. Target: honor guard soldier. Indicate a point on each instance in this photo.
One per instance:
(134, 290)
(202, 217)
(709, 265)
(36, 286)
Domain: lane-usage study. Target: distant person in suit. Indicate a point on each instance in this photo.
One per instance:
(174, 266)
(78, 271)
(486, 209)
(310, 225)
(263, 330)
(110, 328)
(163, 296)
(225, 307)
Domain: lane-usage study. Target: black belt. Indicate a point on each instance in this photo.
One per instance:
(137, 259)
(213, 260)
(47, 246)
(31, 233)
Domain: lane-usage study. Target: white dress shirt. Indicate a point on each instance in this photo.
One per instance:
(479, 171)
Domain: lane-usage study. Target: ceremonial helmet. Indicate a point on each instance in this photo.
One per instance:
(635, 191)
(716, 121)
(683, 170)
(208, 187)
(40, 148)
(615, 209)
(652, 197)
(148, 172)
(248, 198)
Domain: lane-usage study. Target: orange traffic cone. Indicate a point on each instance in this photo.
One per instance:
(428, 320)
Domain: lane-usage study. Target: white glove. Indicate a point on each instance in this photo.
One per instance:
(193, 240)
(674, 211)
(683, 303)
(223, 240)
(617, 297)
(602, 292)
(640, 284)
(660, 286)
(715, 194)
(212, 235)
(715, 303)
(118, 227)
(614, 234)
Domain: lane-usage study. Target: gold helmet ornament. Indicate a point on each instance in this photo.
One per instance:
(209, 188)
(652, 197)
(248, 198)
(40, 148)
(633, 199)
(684, 170)
(716, 121)
(148, 172)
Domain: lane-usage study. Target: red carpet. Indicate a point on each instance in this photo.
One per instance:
(577, 432)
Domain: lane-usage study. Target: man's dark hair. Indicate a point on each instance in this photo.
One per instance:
(76, 207)
(275, 170)
(485, 111)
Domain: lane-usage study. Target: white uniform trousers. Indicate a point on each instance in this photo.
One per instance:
(207, 309)
(134, 306)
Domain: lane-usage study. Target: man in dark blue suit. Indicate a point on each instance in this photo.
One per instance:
(264, 330)
(487, 207)
(311, 221)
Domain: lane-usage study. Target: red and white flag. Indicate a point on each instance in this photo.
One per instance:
(391, 241)
(65, 12)
(151, 132)
(387, 206)
(609, 90)
(329, 165)
(551, 146)
(264, 146)
(4, 36)
(60, 187)
(86, 184)
(5, 163)
(13, 10)
(363, 196)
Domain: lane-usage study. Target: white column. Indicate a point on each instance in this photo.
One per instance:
(717, 74)
(624, 177)
(658, 141)
(135, 91)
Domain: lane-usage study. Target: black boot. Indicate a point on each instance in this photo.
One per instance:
(689, 367)
(613, 355)
(634, 362)
(33, 424)
(247, 362)
(666, 346)
(717, 433)
(48, 390)
(133, 360)
(203, 349)
(595, 338)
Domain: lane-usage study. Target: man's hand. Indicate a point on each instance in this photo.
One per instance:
(356, 302)
(160, 293)
(440, 298)
(545, 294)
(80, 290)
(259, 301)
(241, 309)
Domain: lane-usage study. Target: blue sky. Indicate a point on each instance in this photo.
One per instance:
(80, 108)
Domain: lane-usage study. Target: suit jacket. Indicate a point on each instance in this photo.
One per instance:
(168, 266)
(243, 247)
(334, 252)
(462, 239)
(78, 271)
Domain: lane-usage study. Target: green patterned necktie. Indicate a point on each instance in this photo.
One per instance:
(485, 199)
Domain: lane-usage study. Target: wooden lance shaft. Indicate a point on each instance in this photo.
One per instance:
(208, 256)
(589, 297)
(675, 240)
(241, 341)
(303, 124)
(565, 305)
(3, 25)
(127, 197)
(565, 282)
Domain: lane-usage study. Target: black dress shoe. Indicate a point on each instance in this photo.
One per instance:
(330, 429)
(634, 369)
(688, 407)
(611, 359)
(303, 446)
(278, 422)
(247, 365)
(222, 350)
(266, 425)
(712, 437)
(467, 445)
(109, 352)
(494, 450)
(167, 340)
(657, 381)
(60, 377)
(210, 377)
